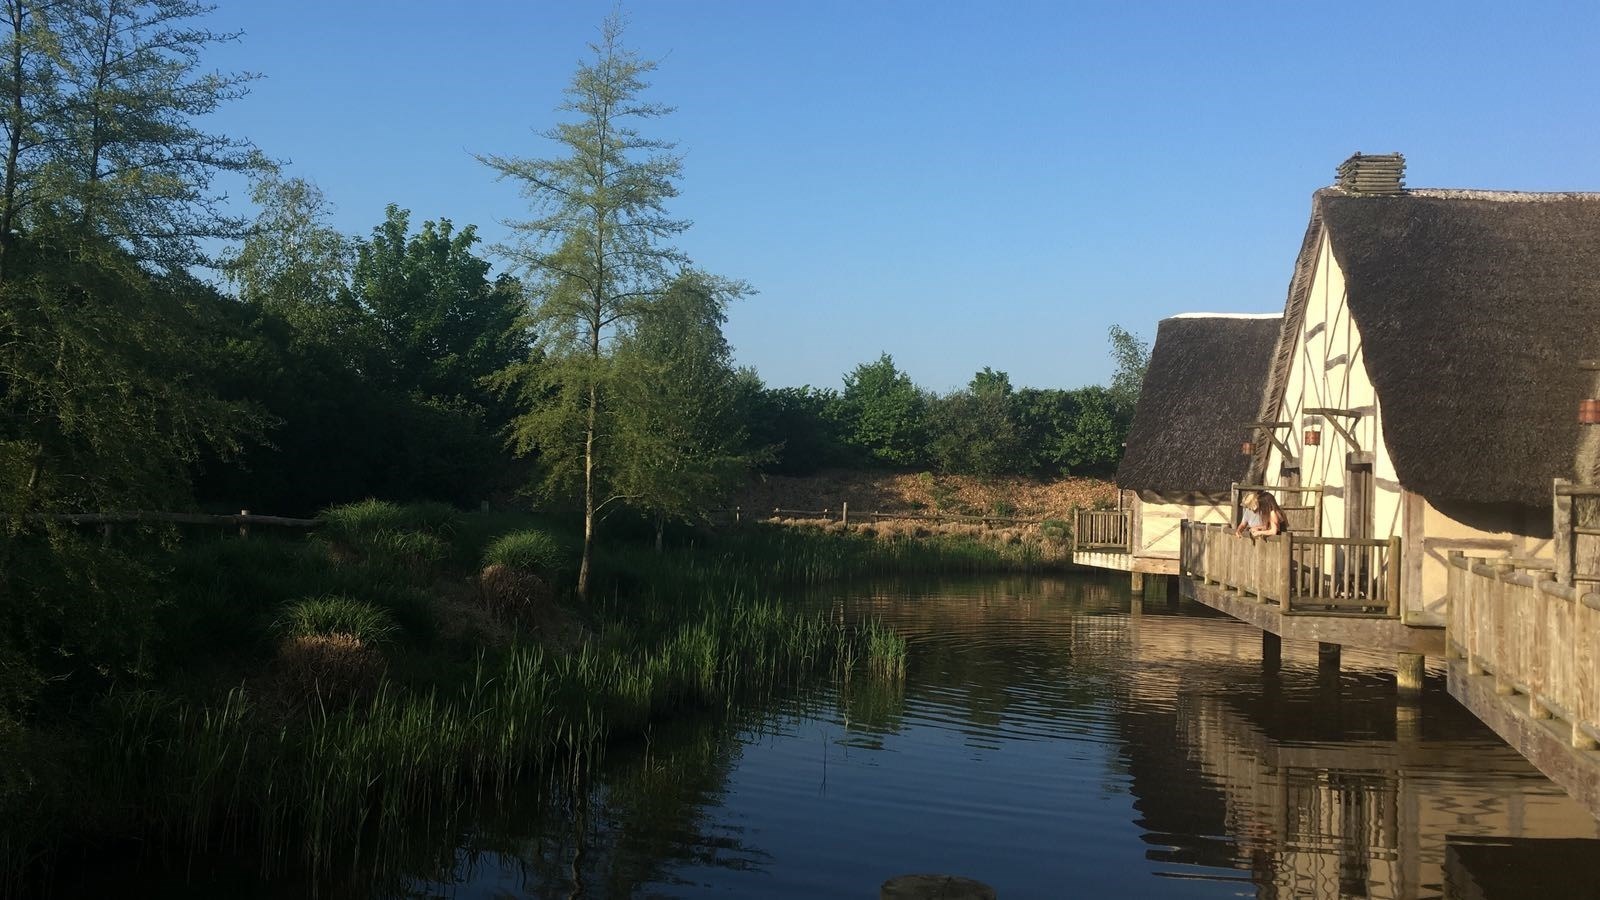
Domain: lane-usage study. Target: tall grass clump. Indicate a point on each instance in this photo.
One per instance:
(529, 550)
(363, 519)
(336, 614)
(884, 649)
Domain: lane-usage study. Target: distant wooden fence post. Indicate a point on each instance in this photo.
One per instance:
(244, 524)
(844, 514)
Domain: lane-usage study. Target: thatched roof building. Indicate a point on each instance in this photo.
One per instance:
(1474, 308)
(1205, 382)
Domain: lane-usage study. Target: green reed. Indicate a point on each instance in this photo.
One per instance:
(331, 781)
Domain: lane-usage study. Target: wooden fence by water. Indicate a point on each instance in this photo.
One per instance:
(1536, 636)
(1100, 529)
(1300, 573)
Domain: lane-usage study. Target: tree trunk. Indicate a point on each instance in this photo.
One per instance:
(8, 210)
(588, 495)
(661, 526)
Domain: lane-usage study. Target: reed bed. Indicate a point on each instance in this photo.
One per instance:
(214, 757)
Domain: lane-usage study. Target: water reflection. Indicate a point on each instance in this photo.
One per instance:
(1049, 742)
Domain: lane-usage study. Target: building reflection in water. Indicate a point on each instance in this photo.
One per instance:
(1327, 788)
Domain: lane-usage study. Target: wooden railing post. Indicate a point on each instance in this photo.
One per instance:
(1392, 576)
(1565, 539)
(1285, 562)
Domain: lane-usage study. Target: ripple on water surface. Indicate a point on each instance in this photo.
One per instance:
(1051, 742)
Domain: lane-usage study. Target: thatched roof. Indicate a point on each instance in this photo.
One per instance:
(1474, 308)
(1205, 381)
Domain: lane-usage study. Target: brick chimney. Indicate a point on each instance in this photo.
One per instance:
(1377, 175)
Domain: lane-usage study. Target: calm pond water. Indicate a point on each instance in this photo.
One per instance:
(1054, 741)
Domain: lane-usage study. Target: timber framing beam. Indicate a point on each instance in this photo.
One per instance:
(1271, 430)
(1332, 416)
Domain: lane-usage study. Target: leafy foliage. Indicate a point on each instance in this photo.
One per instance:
(886, 413)
(680, 436)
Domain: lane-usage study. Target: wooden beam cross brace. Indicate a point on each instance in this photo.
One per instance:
(1331, 417)
(1271, 429)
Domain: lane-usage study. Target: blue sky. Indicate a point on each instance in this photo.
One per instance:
(959, 184)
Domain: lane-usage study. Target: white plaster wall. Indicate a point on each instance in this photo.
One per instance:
(1160, 514)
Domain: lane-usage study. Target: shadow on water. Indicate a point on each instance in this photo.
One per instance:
(1046, 740)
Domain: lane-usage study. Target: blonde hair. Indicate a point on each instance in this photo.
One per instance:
(1250, 500)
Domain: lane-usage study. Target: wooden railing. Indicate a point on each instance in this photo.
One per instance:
(1300, 573)
(1100, 529)
(1536, 636)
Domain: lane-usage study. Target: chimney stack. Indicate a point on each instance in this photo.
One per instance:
(1375, 176)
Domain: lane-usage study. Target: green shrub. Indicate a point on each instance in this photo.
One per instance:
(355, 522)
(529, 550)
(1057, 531)
(332, 614)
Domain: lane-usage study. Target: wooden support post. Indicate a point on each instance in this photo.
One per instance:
(1136, 605)
(1563, 537)
(1581, 739)
(1392, 577)
(1174, 589)
(1407, 722)
(1136, 582)
(244, 527)
(1536, 709)
(1271, 651)
(1327, 658)
(1408, 673)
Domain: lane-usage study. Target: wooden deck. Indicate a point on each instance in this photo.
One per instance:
(1122, 561)
(1330, 590)
(1100, 540)
(1523, 650)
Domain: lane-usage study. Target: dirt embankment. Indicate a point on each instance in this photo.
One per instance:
(927, 493)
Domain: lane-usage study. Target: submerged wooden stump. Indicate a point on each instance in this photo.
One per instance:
(934, 887)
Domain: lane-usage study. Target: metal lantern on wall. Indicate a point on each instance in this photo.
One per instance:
(1589, 412)
(1313, 437)
(1247, 448)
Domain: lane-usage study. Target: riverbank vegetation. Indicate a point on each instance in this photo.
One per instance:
(300, 699)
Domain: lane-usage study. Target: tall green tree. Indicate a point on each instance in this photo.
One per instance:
(442, 325)
(599, 243)
(885, 413)
(107, 197)
(108, 179)
(802, 426)
(681, 443)
(294, 263)
(975, 431)
(136, 166)
(1131, 354)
